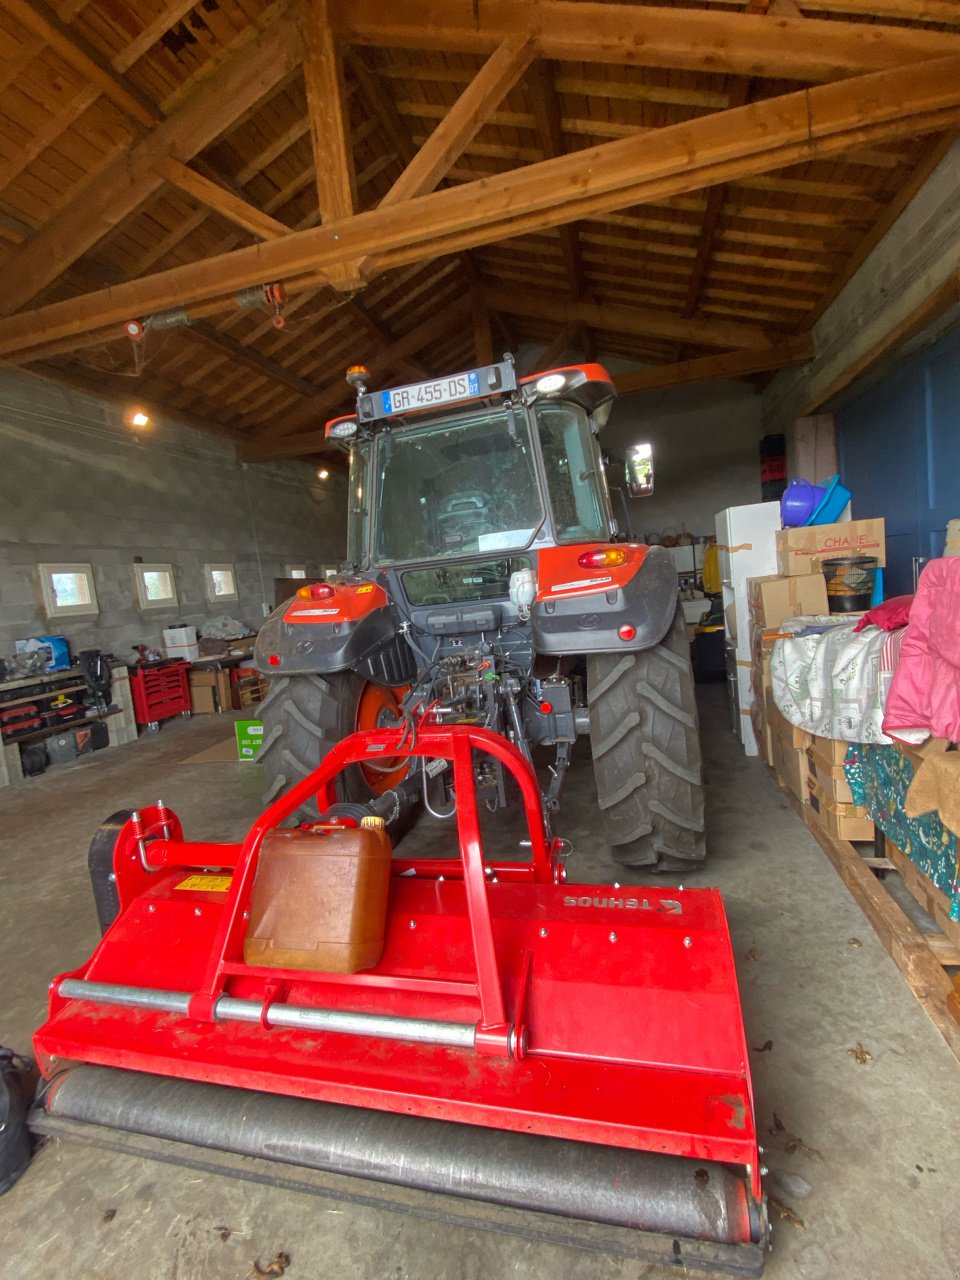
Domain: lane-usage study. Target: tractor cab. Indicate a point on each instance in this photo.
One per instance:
(477, 465)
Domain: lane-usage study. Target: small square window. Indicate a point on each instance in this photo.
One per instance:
(68, 590)
(296, 571)
(156, 587)
(221, 582)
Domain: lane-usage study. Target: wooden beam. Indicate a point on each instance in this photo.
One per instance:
(732, 364)
(129, 179)
(550, 356)
(643, 35)
(921, 970)
(35, 16)
(635, 320)
(932, 309)
(458, 127)
(254, 360)
(759, 138)
(716, 198)
(335, 396)
(381, 107)
(890, 212)
(42, 138)
(219, 199)
(482, 335)
(463, 121)
(329, 114)
(168, 17)
(546, 113)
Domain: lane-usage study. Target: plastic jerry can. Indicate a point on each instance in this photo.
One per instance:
(319, 899)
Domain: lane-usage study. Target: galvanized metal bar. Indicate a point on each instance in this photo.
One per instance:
(461, 1035)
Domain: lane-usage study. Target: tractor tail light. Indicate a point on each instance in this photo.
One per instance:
(316, 591)
(607, 558)
(627, 632)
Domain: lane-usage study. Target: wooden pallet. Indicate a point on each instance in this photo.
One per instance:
(922, 958)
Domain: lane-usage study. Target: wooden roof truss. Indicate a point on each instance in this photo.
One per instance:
(686, 185)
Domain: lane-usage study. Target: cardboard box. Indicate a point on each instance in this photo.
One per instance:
(801, 551)
(209, 692)
(832, 751)
(774, 598)
(789, 763)
(249, 739)
(761, 653)
(845, 821)
(829, 777)
(799, 739)
(762, 731)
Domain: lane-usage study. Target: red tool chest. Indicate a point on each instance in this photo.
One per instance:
(160, 690)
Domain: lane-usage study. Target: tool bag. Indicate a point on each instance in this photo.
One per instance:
(16, 1090)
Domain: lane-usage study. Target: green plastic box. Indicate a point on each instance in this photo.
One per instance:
(249, 739)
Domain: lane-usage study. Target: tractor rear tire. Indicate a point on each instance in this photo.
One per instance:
(645, 742)
(303, 717)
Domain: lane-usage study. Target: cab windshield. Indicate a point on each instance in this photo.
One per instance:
(451, 489)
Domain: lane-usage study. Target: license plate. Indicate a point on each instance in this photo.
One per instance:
(424, 395)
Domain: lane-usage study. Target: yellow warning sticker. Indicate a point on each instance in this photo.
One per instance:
(208, 884)
(362, 591)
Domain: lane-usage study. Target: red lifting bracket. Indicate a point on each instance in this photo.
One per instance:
(495, 1036)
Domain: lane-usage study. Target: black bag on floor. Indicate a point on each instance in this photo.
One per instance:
(16, 1090)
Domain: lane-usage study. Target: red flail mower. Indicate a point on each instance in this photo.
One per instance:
(566, 1060)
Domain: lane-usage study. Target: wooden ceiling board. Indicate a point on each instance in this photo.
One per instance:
(768, 249)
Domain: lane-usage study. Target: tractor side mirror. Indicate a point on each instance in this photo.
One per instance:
(639, 470)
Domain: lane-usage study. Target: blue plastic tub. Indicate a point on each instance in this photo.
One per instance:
(832, 504)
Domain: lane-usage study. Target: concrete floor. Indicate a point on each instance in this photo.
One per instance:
(864, 1159)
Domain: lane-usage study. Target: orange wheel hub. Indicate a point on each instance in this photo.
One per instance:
(379, 708)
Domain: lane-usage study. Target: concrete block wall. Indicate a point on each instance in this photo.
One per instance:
(78, 485)
(706, 456)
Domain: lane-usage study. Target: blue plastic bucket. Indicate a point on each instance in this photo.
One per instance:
(800, 500)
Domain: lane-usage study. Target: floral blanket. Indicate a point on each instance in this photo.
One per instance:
(828, 681)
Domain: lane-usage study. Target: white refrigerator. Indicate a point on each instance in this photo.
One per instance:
(747, 549)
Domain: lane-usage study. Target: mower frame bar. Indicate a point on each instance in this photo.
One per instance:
(459, 1035)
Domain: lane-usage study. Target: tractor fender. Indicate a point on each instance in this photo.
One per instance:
(585, 614)
(354, 629)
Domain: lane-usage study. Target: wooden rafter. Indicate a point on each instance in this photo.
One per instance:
(482, 334)
(384, 111)
(634, 320)
(219, 199)
(459, 127)
(254, 360)
(129, 179)
(755, 139)
(171, 13)
(335, 396)
(36, 17)
(463, 121)
(731, 364)
(329, 114)
(546, 113)
(551, 355)
(643, 35)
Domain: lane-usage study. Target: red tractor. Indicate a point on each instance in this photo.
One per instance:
(487, 584)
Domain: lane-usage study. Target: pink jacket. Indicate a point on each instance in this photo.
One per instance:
(925, 693)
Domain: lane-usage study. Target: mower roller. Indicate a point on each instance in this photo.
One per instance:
(568, 1060)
